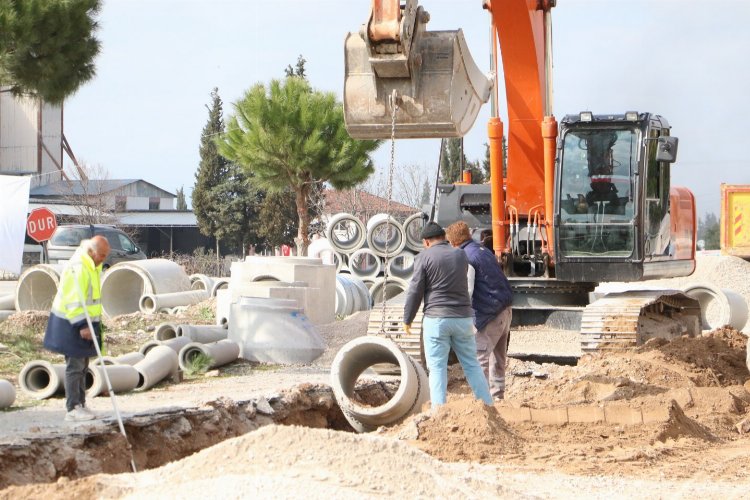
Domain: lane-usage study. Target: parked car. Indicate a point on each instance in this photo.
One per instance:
(66, 239)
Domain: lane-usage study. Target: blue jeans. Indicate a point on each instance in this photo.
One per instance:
(439, 336)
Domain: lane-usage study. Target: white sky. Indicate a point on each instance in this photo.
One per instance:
(142, 116)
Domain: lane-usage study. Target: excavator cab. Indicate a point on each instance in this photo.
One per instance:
(438, 88)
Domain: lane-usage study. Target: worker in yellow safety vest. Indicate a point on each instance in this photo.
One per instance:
(68, 332)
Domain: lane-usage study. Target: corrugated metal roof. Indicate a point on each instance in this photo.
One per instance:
(57, 208)
(161, 218)
(76, 187)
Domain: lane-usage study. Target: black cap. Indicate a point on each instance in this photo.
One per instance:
(432, 230)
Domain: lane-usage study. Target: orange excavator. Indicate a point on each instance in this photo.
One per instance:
(586, 199)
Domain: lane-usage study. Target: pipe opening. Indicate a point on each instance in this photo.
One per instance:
(36, 291)
(122, 291)
(38, 379)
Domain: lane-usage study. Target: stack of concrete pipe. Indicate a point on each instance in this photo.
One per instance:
(381, 246)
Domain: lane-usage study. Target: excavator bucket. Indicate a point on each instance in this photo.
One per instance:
(439, 96)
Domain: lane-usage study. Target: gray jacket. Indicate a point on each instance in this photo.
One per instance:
(440, 278)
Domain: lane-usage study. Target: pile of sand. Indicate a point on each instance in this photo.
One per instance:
(285, 462)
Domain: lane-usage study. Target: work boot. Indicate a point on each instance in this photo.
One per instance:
(79, 414)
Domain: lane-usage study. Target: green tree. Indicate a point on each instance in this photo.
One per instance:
(289, 135)
(181, 203)
(452, 160)
(298, 69)
(426, 197)
(224, 198)
(708, 231)
(47, 47)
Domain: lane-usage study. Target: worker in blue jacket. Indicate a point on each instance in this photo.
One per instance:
(491, 301)
(68, 332)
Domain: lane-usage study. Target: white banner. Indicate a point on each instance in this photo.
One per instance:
(14, 208)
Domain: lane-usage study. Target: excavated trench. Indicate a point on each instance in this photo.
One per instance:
(161, 437)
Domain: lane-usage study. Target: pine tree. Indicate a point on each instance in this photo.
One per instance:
(181, 203)
(47, 47)
(452, 161)
(426, 197)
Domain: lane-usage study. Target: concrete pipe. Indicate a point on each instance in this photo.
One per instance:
(362, 353)
(220, 353)
(385, 236)
(159, 363)
(413, 226)
(124, 378)
(166, 331)
(402, 265)
(37, 287)
(201, 282)
(364, 293)
(393, 287)
(345, 293)
(274, 331)
(41, 379)
(346, 233)
(203, 334)
(364, 264)
(7, 394)
(322, 249)
(219, 284)
(719, 307)
(175, 344)
(125, 283)
(151, 303)
(130, 358)
(8, 302)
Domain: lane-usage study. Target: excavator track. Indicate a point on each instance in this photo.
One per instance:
(623, 320)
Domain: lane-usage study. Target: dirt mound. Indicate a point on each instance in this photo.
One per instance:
(680, 425)
(32, 320)
(285, 462)
(718, 357)
(464, 429)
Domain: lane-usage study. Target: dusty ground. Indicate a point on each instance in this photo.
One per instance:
(464, 448)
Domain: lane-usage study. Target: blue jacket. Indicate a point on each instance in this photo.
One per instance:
(492, 292)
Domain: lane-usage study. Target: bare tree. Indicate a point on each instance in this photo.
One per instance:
(87, 189)
(409, 182)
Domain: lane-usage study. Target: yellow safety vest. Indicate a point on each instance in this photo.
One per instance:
(81, 277)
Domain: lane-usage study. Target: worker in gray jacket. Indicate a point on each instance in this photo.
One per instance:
(440, 280)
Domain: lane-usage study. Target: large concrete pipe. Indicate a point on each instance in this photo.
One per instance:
(7, 394)
(152, 303)
(175, 344)
(385, 236)
(203, 334)
(37, 287)
(402, 265)
(124, 283)
(124, 378)
(351, 295)
(413, 226)
(362, 353)
(274, 331)
(41, 379)
(719, 307)
(201, 282)
(322, 249)
(8, 302)
(159, 363)
(346, 233)
(364, 264)
(220, 353)
(219, 284)
(394, 286)
(166, 331)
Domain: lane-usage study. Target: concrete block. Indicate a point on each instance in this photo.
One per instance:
(743, 427)
(585, 414)
(656, 413)
(512, 415)
(622, 415)
(556, 416)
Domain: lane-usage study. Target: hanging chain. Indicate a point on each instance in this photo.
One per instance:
(389, 193)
